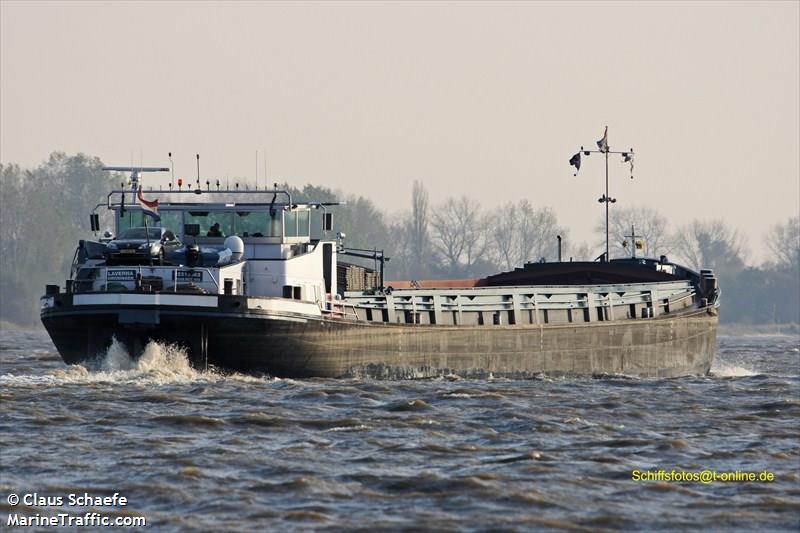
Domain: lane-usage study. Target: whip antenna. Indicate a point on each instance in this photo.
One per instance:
(171, 170)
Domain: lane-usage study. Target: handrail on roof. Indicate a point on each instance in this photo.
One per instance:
(197, 192)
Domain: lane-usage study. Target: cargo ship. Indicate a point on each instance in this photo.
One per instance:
(240, 280)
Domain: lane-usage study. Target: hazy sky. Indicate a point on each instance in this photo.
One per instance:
(488, 100)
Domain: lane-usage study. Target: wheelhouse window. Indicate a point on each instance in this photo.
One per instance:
(135, 218)
(274, 224)
(132, 218)
(256, 224)
(220, 221)
(153, 234)
(171, 219)
(303, 223)
(296, 223)
(290, 223)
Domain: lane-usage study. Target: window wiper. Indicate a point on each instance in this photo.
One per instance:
(272, 206)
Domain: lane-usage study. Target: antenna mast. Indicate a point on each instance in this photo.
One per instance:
(171, 170)
(634, 243)
(603, 148)
(198, 172)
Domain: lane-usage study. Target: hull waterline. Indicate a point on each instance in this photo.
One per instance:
(293, 345)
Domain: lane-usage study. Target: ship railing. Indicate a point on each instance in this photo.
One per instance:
(540, 301)
(680, 298)
(338, 309)
(191, 270)
(662, 299)
(78, 283)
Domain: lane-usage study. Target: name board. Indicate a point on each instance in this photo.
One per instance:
(121, 275)
(189, 275)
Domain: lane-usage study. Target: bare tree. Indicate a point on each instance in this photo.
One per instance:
(448, 237)
(476, 241)
(418, 227)
(651, 228)
(710, 244)
(521, 233)
(505, 236)
(459, 233)
(403, 258)
(537, 233)
(582, 252)
(783, 241)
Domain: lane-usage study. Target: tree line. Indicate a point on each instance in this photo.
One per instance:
(768, 293)
(43, 212)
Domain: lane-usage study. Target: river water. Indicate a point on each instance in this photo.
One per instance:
(196, 451)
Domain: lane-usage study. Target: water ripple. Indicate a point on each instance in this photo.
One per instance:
(201, 451)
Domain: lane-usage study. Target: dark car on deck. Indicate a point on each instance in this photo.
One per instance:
(141, 246)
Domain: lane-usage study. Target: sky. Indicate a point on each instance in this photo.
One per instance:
(488, 100)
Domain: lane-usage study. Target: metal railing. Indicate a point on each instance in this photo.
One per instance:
(329, 308)
(79, 282)
(663, 298)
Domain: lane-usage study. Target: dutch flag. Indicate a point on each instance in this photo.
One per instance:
(148, 207)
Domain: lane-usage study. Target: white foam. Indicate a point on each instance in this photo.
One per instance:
(115, 358)
(723, 369)
(159, 364)
(359, 427)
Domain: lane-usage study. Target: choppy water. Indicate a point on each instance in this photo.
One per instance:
(205, 452)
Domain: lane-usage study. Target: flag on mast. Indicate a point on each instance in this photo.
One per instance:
(575, 161)
(627, 157)
(602, 144)
(149, 208)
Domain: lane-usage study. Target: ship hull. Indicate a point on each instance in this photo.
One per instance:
(289, 342)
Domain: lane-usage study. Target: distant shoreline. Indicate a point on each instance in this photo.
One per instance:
(11, 326)
(758, 329)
